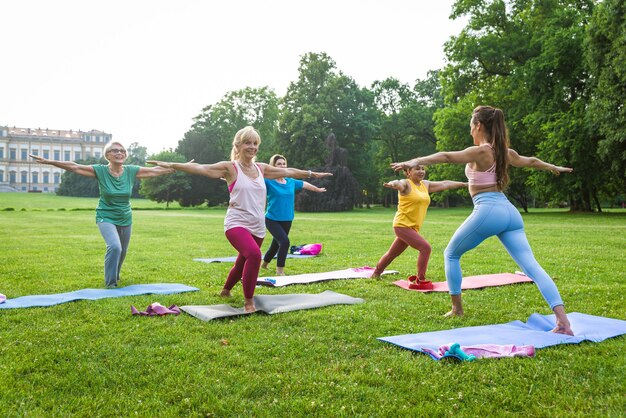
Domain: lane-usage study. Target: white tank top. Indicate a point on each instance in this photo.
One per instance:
(246, 207)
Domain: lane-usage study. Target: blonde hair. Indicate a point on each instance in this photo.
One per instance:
(243, 135)
(275, 158)
(110, 144)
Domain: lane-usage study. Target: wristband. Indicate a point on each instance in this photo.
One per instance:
(310, 174)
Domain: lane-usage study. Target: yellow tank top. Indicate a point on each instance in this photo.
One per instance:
(412, 207)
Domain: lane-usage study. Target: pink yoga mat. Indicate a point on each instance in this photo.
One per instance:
(473, 282)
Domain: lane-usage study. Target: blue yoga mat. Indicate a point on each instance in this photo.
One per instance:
(535, 332)
(93, 294)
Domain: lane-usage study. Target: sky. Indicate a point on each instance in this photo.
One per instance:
(141, 70)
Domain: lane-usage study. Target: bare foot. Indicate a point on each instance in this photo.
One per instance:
(225, 293)
(562, 329)
(248, 306)
(457, 306)
(376, 274)
(280, 271)
(562, 323)
(264, 264)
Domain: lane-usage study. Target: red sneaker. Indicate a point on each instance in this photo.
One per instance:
(421, 285)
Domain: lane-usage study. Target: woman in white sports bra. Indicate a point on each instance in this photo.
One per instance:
(244, 225)
(487, 173)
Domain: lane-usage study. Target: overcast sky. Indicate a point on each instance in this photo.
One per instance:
(142, 69)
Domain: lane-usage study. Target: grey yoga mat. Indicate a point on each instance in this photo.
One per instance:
(273, 304)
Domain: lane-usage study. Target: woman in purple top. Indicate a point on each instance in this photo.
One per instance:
(279, 214)
(244, 224)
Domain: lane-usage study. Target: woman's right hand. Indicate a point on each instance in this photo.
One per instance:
(163, 164)
(39, 159)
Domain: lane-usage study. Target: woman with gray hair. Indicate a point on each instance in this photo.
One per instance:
(114, 216)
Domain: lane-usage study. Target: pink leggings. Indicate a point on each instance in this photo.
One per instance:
(406, 237)
(248, 261)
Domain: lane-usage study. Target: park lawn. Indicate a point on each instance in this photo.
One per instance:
(49, 201)
(92, 358)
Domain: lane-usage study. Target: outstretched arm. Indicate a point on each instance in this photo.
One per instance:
(313, 188)
(468, 155)
(215, 171)
(146, 172)
(517, 160)
(439, 186)
(83, 170)
(272, 172)
(400, 185)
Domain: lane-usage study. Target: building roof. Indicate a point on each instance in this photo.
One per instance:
(51, 133)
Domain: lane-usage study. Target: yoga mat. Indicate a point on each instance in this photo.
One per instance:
(535, 332)
(472, 282)
(93, 294)
(352, 273)
(273, 304)
(232, 259)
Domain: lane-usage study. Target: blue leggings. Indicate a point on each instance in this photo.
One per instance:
(493, 214)
(117, 239)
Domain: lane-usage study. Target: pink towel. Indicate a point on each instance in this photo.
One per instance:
(493, 350)
(156, 309)
(2, 298)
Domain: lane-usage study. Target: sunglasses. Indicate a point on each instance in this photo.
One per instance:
(117, 151)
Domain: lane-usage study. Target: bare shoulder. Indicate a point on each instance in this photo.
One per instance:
(476, 152)
(513, 155)
(263, 166)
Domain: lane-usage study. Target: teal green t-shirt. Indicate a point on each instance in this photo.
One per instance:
(114, 203)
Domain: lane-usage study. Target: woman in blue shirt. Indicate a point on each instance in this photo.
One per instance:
(280, 212)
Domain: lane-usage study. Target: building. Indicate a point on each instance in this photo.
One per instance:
(19, 173)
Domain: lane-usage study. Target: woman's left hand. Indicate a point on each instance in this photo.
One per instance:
(401, 166)
(557, 169)
(316, 175)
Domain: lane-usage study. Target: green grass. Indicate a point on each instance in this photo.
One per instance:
(48, 201)
(92, 358)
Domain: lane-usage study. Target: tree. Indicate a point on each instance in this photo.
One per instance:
(325, 101)
(73, 184)
(136, 156)
(405, 125)
(210, 138)
(605, 55)
(525, 57)
(167, 188)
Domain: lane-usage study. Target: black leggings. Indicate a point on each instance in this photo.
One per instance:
(280, 241)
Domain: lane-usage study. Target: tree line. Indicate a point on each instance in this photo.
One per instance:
(556, 68)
